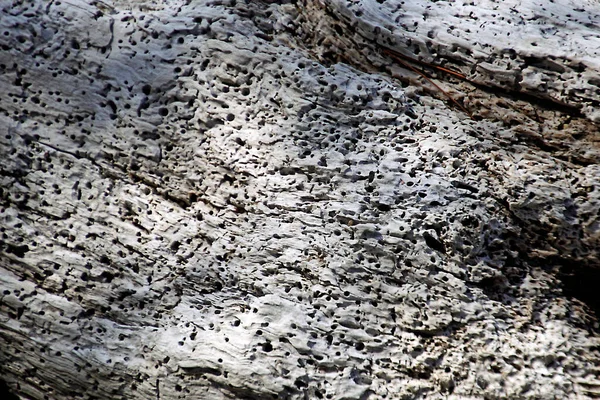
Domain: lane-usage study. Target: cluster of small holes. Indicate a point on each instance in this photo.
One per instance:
(364, 187)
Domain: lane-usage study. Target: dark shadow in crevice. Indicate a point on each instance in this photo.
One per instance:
(581, 282)
(5, 392)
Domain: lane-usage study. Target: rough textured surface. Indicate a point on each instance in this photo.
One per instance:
(251, 200)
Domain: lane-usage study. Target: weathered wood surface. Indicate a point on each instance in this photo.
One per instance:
(251, 200)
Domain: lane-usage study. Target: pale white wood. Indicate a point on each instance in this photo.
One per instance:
(211, 200)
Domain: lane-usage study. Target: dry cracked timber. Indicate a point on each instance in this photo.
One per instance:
(253, 200)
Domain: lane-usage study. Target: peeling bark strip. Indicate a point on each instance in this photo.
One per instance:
(234, 199)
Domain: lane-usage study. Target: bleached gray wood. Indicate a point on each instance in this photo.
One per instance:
(221, 199)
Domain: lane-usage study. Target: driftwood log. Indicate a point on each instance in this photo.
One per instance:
(267, 200)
